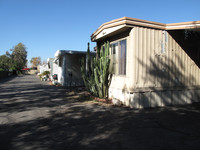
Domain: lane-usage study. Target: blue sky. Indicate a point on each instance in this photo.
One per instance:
(45, 26)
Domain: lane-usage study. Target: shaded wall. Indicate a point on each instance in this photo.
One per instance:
(189, 40)
(161, 61)
(73, 70)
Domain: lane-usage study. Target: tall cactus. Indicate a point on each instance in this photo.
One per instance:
(96, 81)
(88, 73)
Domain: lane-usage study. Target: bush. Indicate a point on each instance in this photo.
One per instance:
(45, 73)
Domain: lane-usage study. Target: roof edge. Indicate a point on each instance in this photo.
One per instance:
(128, 21)
(131, 22)
(72, 52)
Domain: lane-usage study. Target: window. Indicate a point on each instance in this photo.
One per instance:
(118, 57)
(114, 47)
(113, 58)
(122, 58)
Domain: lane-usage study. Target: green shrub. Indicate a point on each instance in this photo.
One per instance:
(45, 73)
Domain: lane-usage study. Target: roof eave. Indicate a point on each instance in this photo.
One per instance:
(131, 22)
(183, 25)
(126, 21)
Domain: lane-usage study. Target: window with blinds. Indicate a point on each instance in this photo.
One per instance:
(118, 57)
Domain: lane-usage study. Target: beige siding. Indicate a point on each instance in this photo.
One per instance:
(154, 68)
(159, 71)
(127, 79)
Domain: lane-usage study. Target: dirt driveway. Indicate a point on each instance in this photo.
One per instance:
(35, 115)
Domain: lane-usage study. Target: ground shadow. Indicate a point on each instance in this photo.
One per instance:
(100, 127)
(83, 125)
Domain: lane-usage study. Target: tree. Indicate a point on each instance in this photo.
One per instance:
(44, 62)
(35, 61)
(5, 63)
(18, 56)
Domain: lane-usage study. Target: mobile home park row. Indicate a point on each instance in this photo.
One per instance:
(152, 64)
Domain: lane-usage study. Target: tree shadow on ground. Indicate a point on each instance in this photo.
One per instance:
(102, 127)
(40, 116)
(6, 79)
(28, 93)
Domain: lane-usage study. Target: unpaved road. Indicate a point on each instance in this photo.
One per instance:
(35, 115)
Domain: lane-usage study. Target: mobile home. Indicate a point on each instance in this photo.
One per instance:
(70, 67)
(153, 64)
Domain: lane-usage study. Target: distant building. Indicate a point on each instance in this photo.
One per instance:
(69, 63)
(53, 67)
(43, 68)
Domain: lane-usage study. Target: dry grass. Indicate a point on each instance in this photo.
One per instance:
(84, 96)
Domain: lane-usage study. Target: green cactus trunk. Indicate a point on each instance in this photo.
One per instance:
(96, 77)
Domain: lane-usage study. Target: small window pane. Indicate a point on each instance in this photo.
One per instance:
(114, 47)
(113, 58)
(122, 58)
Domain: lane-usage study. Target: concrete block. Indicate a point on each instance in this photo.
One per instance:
(195, 95)
(145, 100)
(188, 96)
(127, 99)
(116, 102)
(198, 95)
(156, 99)
(175, 97)
(178, 97)
(110, 93)
(166, 98)
(134, 100)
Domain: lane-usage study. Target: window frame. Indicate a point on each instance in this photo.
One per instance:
(118, 53)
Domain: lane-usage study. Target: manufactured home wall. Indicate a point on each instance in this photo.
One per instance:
(159, 71)
(44, 68)
(50, 65)
(160, 62)
(121, 84)
(73, 67)
(56, 70)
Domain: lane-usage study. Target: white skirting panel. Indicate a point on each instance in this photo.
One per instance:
(155, 98)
